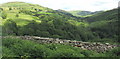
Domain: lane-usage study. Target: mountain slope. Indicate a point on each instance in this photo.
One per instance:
(40, 21)
(33, 22)
(20, 19)
(83, 13)
(28, 12)
(105, 24)
(107, 15)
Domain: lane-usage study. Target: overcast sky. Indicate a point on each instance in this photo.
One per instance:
(88, 5)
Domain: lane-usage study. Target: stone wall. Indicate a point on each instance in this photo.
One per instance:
(99, 47)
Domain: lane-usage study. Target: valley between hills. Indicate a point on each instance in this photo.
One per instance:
(25, 26)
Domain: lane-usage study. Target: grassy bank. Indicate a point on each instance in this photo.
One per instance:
(24, 48)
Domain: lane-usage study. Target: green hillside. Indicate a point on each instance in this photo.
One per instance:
(81, 13)
(22, 13)
(105, 23)
(107, 15)
(21, 19)
(39, 21)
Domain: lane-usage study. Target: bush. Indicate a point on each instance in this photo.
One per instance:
(66, 53)
(4, 15)
(13, 47)
(114, 53)
(6, 52)
(25, 48)
(17, 15)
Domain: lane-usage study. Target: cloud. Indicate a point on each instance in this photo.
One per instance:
(91, 5)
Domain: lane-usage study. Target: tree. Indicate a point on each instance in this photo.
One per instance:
(10, 27)
(17, 15)
(10, 8)
(4, 15)
(1, 9)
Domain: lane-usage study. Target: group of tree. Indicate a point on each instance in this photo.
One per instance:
(56, 24)
(54, 29)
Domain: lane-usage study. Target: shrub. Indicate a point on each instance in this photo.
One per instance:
(114, 53)
(17, 15)
(6, 52)
(14, 47)
(4, 15)
(66, 53)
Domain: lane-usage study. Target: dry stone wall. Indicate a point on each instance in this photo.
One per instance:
(99, 47)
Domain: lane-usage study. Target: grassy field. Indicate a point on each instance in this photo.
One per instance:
(21, 20)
